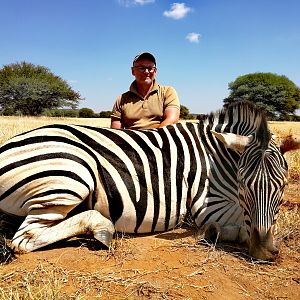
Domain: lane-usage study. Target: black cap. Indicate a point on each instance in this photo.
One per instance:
(144, 55)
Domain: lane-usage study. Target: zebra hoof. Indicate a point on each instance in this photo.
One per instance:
(105, 237)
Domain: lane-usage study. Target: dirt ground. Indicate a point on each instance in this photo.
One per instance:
(170, 265)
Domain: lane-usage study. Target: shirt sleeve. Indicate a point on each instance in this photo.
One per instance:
(171, 98)
(117, 109)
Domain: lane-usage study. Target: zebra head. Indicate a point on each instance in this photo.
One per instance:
(261, 178)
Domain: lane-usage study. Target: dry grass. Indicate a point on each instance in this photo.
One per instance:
(293, 160)
(288, 227)
(48, 281)
(11, 126)
(284, 129)
(41, 283)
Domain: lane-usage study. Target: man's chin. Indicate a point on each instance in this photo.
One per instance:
(148, 80)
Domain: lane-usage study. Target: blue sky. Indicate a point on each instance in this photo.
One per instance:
(200, 45)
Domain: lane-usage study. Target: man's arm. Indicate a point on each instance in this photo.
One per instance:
(116, 123)
(171, 116)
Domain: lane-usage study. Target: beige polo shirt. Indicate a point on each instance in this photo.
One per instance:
(137, 112)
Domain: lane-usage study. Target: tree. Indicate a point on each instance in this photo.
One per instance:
(86, 113)
(66, 113)
(31, 89)
(105, 114)
(185, 113)
(278, 95)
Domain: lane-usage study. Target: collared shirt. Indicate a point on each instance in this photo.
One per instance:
(137, 112)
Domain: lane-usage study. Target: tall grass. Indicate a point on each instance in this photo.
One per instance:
(283, 129)
(11, 126)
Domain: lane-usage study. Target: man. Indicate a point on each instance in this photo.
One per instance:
(147, 104)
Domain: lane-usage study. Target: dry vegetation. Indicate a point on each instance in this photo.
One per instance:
(171, 265)
(293, 158)
(11, 126)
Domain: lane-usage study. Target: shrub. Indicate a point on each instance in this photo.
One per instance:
(86, 113)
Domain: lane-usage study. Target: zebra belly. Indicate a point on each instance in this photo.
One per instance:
(126, 225)
(128, 221)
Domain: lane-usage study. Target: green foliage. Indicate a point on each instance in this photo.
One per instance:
(65, 113)
(8, 112)
(86, 113)
(31, 89)
(105, 114)
(185, 113)
(278, 95)
(201, 117)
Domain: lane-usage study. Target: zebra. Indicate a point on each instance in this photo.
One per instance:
(226, 170)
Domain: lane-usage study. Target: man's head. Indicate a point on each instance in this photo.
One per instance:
(142, 56)
(144, 68)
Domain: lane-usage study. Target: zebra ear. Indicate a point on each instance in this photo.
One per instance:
(233, 141)
(291, 142)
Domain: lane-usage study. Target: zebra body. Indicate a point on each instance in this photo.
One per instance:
(144, 181)
(131, 177)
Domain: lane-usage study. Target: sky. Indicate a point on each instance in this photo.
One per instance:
(200, 46)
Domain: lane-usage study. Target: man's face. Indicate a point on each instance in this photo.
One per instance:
(144, 71)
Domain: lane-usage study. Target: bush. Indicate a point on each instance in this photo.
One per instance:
(67, 113)
(7, 112)
(185, 113)
(105, 114)
(86, 113)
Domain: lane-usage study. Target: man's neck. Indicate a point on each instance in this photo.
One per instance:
(144, 89)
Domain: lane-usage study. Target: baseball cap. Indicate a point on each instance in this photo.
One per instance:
(144, 55)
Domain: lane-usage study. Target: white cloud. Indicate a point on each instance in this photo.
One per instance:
(193, 37)
(129, 3)
(177, 11)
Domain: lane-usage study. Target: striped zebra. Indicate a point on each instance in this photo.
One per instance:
(225, 170)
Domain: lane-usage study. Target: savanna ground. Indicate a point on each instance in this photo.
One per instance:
(170, 265)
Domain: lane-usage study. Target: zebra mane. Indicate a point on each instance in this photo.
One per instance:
(241, 117)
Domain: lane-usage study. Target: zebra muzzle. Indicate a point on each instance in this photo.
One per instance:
(262, 245)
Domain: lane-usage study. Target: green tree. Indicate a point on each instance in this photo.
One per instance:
(86, 113)
(278, 95)
(105, 114)
(30, 89)
(185, 113)
(66, 113)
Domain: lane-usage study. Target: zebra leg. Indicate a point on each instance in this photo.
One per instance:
(35, 232)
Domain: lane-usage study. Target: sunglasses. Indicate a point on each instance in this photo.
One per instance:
(143, 69)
